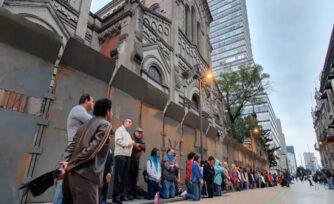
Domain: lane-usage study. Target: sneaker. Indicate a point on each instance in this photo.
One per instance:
(184, 193)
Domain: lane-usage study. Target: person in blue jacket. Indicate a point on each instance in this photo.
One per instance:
(196, 179)
(218, 178)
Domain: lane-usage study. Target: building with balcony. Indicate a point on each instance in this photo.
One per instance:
(322, 113)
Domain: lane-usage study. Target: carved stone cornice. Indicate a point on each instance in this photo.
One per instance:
(191, 49)
(65, 9)
(111, 31)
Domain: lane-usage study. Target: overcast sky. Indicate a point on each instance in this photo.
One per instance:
(290, 40)
(97, 4)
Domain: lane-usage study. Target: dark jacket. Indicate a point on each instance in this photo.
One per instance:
(108, 166)
(109, 163)
(88, 152)
(137, 149)
(169, 168)
(208, 173)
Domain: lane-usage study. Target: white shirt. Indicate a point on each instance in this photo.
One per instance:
(122, 140)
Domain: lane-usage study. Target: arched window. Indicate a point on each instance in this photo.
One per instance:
(188, 22)
(195, 101)
(155, 8)
(199, 35)
(217, 119)
(193, 25)
(154, 73)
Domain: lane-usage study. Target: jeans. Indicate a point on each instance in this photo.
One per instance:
(246, 185)
(189, 187)
(190, 191)
(58, 197)
(196, 191)
(168, 189)
(152, 189)
(241, 185)
(330, 183)
(218, 190)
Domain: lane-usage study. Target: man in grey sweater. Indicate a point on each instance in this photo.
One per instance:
(85, 158)
(78, 116)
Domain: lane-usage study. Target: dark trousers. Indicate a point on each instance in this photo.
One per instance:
(211, 189)
(218, 190)
(78, 190)
(152, 189)
(121, 170)
(104, 192)
(133, 177)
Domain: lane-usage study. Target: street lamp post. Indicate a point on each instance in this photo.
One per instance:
(201, 80)
(196, 74)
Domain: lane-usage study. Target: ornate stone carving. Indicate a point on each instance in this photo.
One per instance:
(178, 79)
(65, 11)
(158, 25)
(152, 38)
(115, 29)
(190, 53)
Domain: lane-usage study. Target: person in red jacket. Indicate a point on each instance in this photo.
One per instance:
(191, 156)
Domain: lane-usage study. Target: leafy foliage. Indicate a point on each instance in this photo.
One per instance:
(302, 172)
(265, 141)
(240, 88)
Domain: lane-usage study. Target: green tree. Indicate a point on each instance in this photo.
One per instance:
(265, 140)
(240, 88)
(302, 172)
(240, 129)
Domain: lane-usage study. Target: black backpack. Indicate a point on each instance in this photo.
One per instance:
(145, 176)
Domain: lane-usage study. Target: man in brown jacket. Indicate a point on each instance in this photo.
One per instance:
(85, 158)
(138, 149)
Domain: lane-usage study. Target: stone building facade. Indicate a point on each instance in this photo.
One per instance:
(141, 54)
(323, 112)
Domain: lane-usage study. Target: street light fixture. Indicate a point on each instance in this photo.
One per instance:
(202, 80)
(256, 130)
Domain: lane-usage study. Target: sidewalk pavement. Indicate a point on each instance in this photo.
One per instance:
(144, 201)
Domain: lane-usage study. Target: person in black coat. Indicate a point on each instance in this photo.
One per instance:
(208, 176)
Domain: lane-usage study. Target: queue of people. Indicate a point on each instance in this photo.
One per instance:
(89, 166)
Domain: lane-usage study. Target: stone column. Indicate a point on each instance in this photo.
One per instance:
(81, 28)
